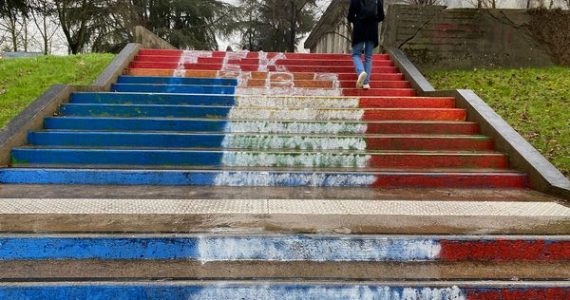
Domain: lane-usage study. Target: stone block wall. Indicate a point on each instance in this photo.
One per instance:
(440, 38)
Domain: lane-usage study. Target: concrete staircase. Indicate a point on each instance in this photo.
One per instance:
(278, 161)
(262, 119)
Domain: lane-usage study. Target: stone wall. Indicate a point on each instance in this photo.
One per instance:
(440, 38)
(150, 40)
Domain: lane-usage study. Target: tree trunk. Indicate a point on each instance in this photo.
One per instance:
(13, 33)
(293, 23)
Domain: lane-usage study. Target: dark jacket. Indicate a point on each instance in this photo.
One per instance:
(364, 30)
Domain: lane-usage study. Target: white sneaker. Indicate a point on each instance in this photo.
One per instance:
(366, 86)
(361, 78)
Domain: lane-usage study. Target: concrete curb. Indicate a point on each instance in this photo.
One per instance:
(523, 156)
(31, 118)
(116, 67)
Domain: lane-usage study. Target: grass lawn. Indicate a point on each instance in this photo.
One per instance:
(535, 101)
(23, 80)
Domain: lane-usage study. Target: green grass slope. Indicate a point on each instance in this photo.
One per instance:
(23, 80)
(535, 101)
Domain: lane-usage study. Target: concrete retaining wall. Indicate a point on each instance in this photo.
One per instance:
(439, 38)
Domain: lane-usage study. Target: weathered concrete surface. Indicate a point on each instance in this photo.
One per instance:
(117, 66)
(54, 270)
(228, 193)
(150, 40)
(36, 215)
(439, 38)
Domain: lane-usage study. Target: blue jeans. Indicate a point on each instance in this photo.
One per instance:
(356, 52)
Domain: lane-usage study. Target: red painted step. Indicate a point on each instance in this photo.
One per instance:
(408, 102)
(378, 92)
(467, 179)
(250, 68)
(270, 55)
(429, 143)
(425, 114)
(378, 84)
(257, 75)
(256, 61)
(324, 84)
(437, 160)
(422, 127)
(505, 250)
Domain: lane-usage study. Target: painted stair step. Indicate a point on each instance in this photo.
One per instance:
(194, 89)
(351, 76)
(299, 91)
(270, 55)
(209, 125)
(259, 141)
(209, 248)
(252, 67)
(178, 80)
(378, 92)
(256, 61)
(223, 112)
(273, 256)
(387, 179)
(274, 82)
(264, 100)
(220, 158)
(250, 290)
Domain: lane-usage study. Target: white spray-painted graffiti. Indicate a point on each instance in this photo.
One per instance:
(189, 57)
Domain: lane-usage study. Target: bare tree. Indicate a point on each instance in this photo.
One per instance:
(42, 13)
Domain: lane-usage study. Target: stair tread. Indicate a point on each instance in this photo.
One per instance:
(272, 121)
(266, 150)
(255, 134)
(260, 107)
(296, 170)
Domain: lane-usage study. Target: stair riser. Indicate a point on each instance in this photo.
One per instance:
(284, 248)
(188, 89)
(216, 126)
(178, 80)
(256, 61)
(350, 76)
(251, 159)
(262, 101)
(254, 67)
(326, 83)
(165, 140)
(259, 114)
(157, 52)
(252, 178)
(266, 291)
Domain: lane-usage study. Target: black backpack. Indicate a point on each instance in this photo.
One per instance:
(368, 9)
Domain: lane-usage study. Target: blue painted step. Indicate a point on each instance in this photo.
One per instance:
(251, 290)
(125, 139)
(145, 98)
(117, 110)
(177, 80)
(265, 177)
(184, 89)
(135, 124)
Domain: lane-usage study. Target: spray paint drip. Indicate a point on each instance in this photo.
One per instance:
(270, 101)
(296, 127)
(293, 142)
